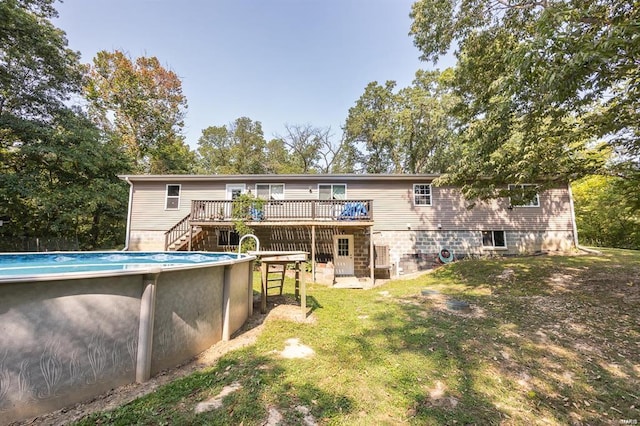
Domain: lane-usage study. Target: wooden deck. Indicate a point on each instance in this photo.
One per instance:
(274, 213)
(285, 211)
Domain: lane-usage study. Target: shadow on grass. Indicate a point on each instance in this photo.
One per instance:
(261, 392)
(559, 342)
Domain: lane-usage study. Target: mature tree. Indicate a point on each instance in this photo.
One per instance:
(64, 183)
(279, 160)
(58, 177)
(142, 104)
(172, 156)
(238, 148)
(214, 150)
(303, 142)
(425, 125)
(408, 131)
(345, 157)
(603, 214)
(332, 154)
(370, 128)
(37, 74)
(37, 69)
(539, 83)
(312, 149)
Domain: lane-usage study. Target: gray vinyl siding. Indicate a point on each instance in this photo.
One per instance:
(148, 211)
(393, 207)
(394, 210)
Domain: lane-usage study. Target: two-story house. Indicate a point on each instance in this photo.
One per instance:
(357, 224)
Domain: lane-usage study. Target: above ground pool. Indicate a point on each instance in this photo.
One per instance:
(40, 265)
(74, 325)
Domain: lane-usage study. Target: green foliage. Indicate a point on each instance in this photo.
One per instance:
(240, 148)
(64, 183)
(540, 84)
(408, 131)
(38, 71)
(140, 103)
(603, 214)
(235, 149)
(278, 160)
(58, 175)
(246, 208)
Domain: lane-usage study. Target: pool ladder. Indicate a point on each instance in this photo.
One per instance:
(245, 236)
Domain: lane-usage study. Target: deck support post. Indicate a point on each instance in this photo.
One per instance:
(303, 291)
(250, 289)
(264, 272)
(313, 253)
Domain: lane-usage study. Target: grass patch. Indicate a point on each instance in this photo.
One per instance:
(548, 340)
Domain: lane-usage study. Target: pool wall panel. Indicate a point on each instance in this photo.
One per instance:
(240, 295)
(64, 341)
(188, 316)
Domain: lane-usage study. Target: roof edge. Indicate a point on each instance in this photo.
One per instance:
(274, 177)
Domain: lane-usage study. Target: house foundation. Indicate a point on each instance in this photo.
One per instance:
(412, 251)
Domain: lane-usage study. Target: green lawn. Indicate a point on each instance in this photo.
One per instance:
(548, 340)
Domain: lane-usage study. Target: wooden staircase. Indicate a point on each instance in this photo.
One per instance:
(183, 241)
(177, 238)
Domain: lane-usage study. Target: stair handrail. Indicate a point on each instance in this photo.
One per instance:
(176, 231)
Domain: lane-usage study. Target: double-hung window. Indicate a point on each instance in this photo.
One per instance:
(270, 191)
(421, 194)
(523, 196)
(332, 191)
(494, 239)
(172, 198)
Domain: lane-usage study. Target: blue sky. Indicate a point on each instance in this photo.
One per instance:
(275, 61)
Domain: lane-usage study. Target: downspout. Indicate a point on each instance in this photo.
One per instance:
(129, 210)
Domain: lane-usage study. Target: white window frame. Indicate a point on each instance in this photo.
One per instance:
(270, 185)
(534, 203)
(415, 203)
(493, 240)
(332, 185)
(167, 197)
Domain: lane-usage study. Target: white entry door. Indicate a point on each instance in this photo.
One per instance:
(233, 191)
(343, 254)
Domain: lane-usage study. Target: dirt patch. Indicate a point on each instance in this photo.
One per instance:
(441, 303)
(246, 336)
(294, 349)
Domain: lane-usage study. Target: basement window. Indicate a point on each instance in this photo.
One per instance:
(227, 237)
(494, 240)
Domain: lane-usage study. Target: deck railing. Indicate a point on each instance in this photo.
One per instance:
(285, 210)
